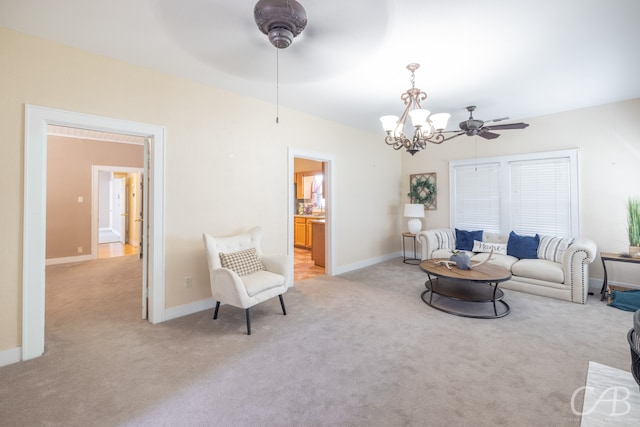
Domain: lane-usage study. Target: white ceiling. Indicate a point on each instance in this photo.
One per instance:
(511, 58)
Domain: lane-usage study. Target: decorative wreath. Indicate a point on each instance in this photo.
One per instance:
(423, 191)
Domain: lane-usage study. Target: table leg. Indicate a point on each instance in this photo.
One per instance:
(603, 291)
(493, 300)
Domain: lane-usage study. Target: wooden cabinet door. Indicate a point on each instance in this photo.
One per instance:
(299, 185)
(300, 233)
(309, 233)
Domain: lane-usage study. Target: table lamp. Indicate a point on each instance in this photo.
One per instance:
(414, 211)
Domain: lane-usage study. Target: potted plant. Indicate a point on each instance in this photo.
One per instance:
(633, 226)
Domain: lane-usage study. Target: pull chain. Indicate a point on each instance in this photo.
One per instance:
(277, 87)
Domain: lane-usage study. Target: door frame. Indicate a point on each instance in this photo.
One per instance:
(330, 203)
(34, 225)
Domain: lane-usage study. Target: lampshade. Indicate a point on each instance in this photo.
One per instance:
(440, 120)
(414, 210)
(419, 117)
(389, 123)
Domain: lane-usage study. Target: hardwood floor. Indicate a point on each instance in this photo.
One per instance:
(110, 250)
(303, 265)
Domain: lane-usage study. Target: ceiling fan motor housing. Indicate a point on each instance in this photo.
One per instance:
(281, 20)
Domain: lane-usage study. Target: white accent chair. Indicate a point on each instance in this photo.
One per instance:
(248, 290)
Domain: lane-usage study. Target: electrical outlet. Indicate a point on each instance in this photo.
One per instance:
(80, 249)
(188, 281)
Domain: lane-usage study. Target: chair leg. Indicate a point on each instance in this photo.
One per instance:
(284, 311)
(215, 313)
(248, 311)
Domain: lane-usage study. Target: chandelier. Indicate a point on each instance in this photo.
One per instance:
(427, 128)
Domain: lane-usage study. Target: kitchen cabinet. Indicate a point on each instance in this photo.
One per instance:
(317, 247)
(303, 230)
(299, 180)
(300, 232)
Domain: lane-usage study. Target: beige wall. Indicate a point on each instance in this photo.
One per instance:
(608, 138)
(223, 174)
(69, 162)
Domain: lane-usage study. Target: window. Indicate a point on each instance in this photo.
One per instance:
(529, 194)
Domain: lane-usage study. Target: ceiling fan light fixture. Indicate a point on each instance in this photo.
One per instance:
(426, 128)
(281, 20)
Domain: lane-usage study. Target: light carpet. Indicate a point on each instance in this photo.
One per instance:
(359, 349)
(611, 398)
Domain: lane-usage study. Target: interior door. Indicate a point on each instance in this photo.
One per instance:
(118, 192)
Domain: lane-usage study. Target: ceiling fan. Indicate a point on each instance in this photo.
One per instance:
(473, 127)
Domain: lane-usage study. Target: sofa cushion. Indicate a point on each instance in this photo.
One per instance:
(523, 247)
(497, 248)
(490, 237)
(505, 261)
(540, 269)
(464, 239)
(553, 248)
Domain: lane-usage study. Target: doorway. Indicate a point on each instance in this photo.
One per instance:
(118, 210)
(34, 233)
(311, 213)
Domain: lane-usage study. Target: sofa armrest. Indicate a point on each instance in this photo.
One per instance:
(429, 242)
(575, 264)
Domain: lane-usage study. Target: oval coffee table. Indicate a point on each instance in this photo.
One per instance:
(468, 293)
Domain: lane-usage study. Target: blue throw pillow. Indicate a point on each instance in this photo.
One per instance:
(523, 247)
(464, 239)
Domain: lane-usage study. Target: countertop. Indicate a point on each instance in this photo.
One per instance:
(309, 216)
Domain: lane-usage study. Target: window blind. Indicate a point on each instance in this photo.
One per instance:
(540, 197)
(477, 197)
(529, 194)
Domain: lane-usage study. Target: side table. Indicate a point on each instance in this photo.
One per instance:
(415, 260)
(608, 256)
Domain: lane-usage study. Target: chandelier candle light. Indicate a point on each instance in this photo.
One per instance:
(414, 211)
(427, 128)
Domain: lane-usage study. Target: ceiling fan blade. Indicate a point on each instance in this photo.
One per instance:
(453, 136)
(499, 119)
(488, 135)
(508, 126)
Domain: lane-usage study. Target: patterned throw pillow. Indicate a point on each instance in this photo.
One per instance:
(498, 248)
(446, 239)
(553, 248)
(242, 262)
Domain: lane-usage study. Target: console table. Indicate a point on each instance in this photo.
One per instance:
(608, 256)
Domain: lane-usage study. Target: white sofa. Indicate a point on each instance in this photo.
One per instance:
(567, 279)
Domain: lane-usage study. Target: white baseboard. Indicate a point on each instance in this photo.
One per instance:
(11, 356)
(187, 309)
(365, 263)
(65, 260)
